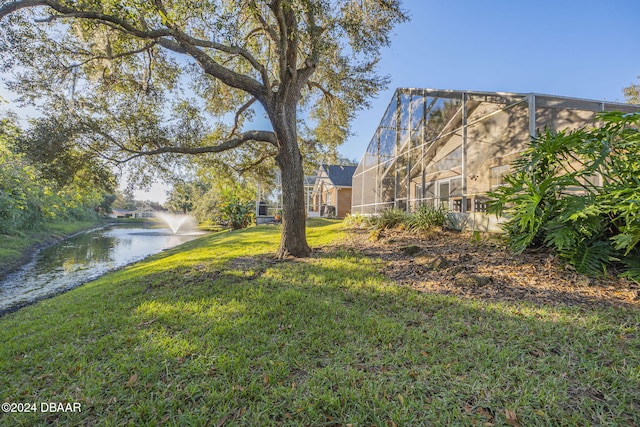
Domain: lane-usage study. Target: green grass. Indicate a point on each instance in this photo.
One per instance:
(13, 247)
(216, 332)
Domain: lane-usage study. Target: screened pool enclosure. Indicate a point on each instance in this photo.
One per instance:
(448, 148)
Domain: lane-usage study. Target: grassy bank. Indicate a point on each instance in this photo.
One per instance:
(215, 332)
(14, 248)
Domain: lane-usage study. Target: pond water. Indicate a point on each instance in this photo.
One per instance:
(82, 258)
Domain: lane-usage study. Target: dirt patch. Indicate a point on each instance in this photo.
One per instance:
(481, 267)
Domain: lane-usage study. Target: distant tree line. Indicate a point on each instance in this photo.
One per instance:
(44, 178)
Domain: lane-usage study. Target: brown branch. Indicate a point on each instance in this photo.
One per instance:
(311, 61)
(276, 8)
(231, 50)
(183, 43)
(255, 135)
(122, 25)
(252, 165)
(145, 48)
(327, 93)
(238, 113)
(15, 6)
(265, 25)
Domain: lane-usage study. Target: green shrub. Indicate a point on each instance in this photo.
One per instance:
(427, 217)
(549, 198)
(237, 214)
(356, 220)
(389, 218)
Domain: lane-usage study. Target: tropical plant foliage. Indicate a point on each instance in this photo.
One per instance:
(579, 193)
(234, 212)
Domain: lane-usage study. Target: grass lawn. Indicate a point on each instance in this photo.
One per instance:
(215, 332)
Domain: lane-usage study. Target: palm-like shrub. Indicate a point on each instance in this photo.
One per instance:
(427, 217)
(550, 199)
(388, 218)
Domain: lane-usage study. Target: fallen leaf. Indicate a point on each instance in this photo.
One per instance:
(512, 418)
(222, 420)
(132, 380)
(401, 399)
(484, 412)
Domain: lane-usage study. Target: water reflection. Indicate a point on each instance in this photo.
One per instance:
(82, 258)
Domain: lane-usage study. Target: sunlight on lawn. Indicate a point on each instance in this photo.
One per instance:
(219, 329)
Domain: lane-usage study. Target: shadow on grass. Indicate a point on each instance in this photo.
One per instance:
(318, 341)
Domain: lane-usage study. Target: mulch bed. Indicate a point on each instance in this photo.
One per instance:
(481, 267)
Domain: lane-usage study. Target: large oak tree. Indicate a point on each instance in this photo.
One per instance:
(308, 63)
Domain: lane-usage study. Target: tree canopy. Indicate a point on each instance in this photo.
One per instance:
(135, 79)
(632, 93)
(34, 192)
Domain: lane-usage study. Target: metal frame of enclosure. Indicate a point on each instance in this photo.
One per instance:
(448, 147)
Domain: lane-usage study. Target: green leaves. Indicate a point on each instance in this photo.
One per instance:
(554, 197)
(41, 182)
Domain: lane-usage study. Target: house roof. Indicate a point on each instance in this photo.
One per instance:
(339, 175)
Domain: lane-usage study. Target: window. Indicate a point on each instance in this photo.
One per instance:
(497, 175)
(443, 193)
(480, 205)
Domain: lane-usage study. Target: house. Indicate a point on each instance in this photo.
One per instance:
(146, 210)
(143, 210)
(331, 193)
(121, 213)
(449, 147)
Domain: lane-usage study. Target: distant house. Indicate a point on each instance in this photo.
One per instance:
(121, 213)
(331, 193)
(144, 210)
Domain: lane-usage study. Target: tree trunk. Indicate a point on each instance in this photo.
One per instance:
(294, 234)
(293, 241)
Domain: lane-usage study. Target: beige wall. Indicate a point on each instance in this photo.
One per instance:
(494, 141)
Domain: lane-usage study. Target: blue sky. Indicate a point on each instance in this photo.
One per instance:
(584, 49)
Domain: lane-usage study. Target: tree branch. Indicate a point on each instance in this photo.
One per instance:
(311, 61)
(231, 50)
(254, 135)
(327, 93)
(185, 44)
(252, 165)
(120, 55)
(239, 112)
(265, 25)
(14, 6)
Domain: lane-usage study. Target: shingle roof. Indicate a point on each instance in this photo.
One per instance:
(340, 175)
